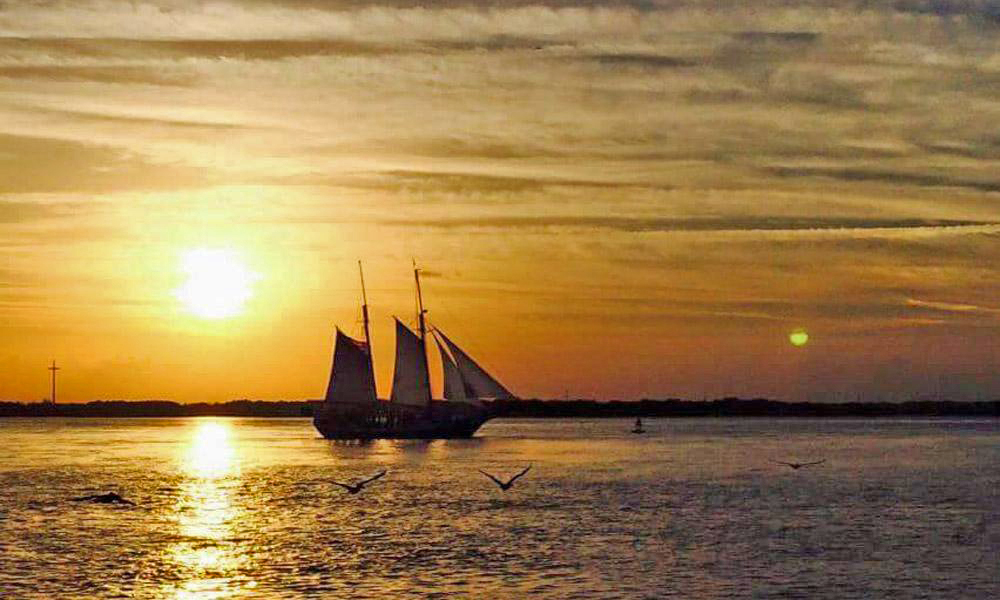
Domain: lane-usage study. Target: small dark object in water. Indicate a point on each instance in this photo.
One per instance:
(109, 498)
(354, 489)
(798, 466)
(638, 426)
(506, 485)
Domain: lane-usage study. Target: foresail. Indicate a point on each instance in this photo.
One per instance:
(350, 377)
(454, 387)
(478, 383)
(409, 381)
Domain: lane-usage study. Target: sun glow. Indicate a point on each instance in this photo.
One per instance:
(218, 283)
(798, 338)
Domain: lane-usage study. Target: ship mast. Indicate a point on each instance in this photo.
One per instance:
(368, 336)
(422, 322)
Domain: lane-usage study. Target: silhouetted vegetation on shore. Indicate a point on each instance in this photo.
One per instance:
(159, 408)
(736, 407)
(726, 407)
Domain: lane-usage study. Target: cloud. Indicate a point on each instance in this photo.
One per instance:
(890, 177)
(407, 179)
(642, 61)
(694, 224)
(987, 10)
(790, 38)
(118, 75)
(16, 211)
(40, 164)
(951, 307)
(235, 49)
(190, 126)
(987, 146)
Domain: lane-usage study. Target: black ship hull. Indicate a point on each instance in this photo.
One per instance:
(384, 420)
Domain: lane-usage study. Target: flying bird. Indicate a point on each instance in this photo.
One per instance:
(109, 498)
(357, 487)
(798, 466)
(505, 485)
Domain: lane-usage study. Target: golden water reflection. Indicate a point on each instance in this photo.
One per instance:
(211, 454)
(208, 557)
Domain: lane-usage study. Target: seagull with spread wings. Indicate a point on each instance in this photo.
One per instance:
(798, 466)
(109, 498)
(357, 487)
(505, 485)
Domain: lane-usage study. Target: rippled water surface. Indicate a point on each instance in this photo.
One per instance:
(240, 508)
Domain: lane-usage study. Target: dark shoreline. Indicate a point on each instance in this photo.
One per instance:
(726, 407)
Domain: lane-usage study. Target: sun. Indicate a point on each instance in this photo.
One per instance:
(799, 337)
(218, 283)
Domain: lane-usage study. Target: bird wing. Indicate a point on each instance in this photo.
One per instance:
(495, 480)
(814, 462)
(515, 477)
(127, 501)
(84, 498)
(781, 462)
(373, 478)
(346, 486)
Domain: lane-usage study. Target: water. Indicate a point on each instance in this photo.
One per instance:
(243, 508)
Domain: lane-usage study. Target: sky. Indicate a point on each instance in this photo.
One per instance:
(609, 199)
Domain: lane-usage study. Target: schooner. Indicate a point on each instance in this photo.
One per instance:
(352, 409)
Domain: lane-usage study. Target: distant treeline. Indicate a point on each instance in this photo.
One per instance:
(736, 407)
(726, 407)
(158, 408)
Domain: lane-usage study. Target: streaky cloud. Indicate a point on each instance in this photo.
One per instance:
(118, 75)
(33, 164)
(208, 47)
(889, 177)
(778, 37)
(951, 307)
(137, 120)
(21, 211)
(692, 224)
(639, 60)
(454, 181)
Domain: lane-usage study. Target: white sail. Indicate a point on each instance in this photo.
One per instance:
(478, 383)
(409, 381)
(350, 377)
(454, 387)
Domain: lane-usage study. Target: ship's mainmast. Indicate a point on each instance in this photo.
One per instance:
(422, 322)
(368, 336)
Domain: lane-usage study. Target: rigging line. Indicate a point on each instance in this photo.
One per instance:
(472, 349)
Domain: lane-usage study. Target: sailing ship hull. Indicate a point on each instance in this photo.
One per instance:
(382, 420)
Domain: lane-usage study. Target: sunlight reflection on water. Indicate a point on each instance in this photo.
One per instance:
(210, 454)
(207, 553)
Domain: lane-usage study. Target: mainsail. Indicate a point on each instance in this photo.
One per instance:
(409, 381)
(477, 382)
(350, 377)
(454, 387)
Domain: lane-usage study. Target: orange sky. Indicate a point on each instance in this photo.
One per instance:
(610, 200)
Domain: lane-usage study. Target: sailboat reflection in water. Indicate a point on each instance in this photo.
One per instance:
(352, 409)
